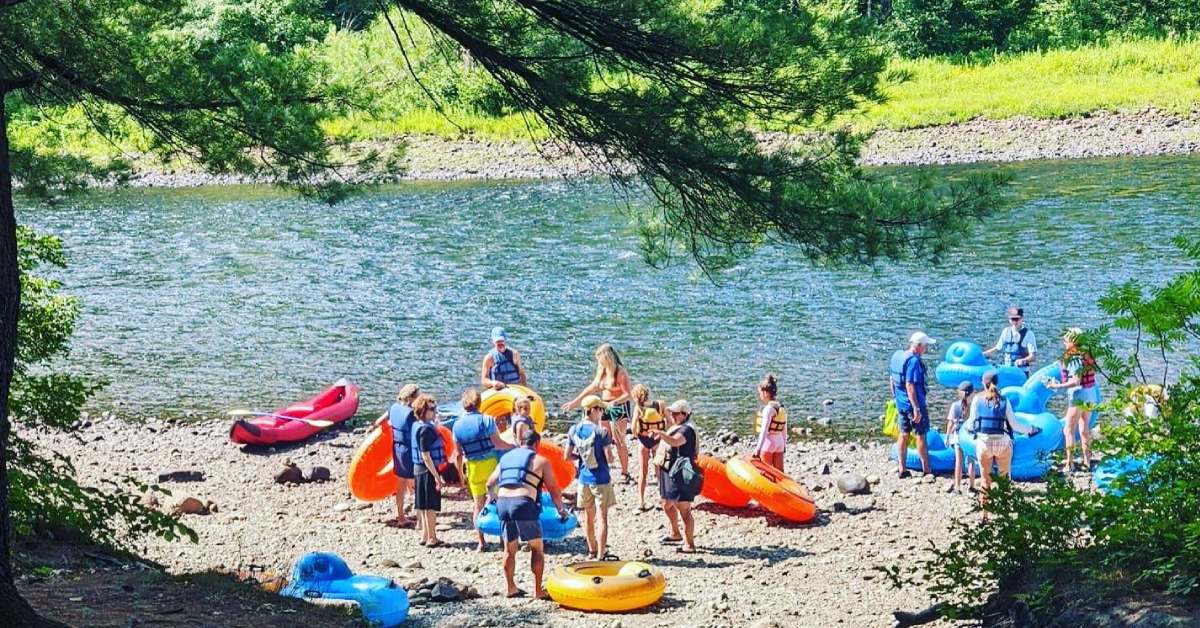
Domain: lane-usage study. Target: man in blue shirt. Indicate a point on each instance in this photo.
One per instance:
(591, 445)
(909, 388)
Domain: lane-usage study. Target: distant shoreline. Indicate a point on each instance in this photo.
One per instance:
(1102, 134)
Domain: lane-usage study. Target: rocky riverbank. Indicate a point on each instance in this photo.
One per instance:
(1100, 134)
(752, 568)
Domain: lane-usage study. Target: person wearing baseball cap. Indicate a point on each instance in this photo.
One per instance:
(909, 387)
(991, 424)
(1017, 344)
(677, 497)
(590, 443)
(502, 365)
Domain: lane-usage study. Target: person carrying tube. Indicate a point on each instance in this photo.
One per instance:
(1017, 345)
(518, 481)
(478, 439)
(909, 388)
(502, 365)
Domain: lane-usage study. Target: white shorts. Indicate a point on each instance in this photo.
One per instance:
(774, 443)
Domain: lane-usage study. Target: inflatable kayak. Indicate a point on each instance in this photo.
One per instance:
(295, 422)
(614, 586)
(323, 575)
(553, 528)
(773, 490)
(371, 476)
(717, 486)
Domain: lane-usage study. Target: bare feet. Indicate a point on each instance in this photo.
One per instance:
(541, 594)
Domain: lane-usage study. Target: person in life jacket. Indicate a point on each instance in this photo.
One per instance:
(991, 424)
(1077, 373)
(770, 424)
(956, 417)
(477, 439)
(522, 423)
(502, 365)
(590, 443)
(400, 417)
(428, 456)
(518, 481)
(1017, 345)
(647, 416)
(615, 388)
(908, 386)
(682, 442)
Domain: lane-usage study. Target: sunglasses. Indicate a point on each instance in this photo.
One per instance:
(1014, 318)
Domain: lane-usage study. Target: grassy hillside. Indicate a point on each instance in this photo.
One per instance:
(1130, 75)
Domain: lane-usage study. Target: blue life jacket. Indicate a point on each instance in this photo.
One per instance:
(438, 453)
(1015, 349)
(523, 420)
(468, 431)
(992, 419)
(897, 367)
(504, 369)
(401, 418)
(514, 469)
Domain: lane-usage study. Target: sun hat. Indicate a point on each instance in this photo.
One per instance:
(921, 338)
(498, 334)
(591, 401)
(680, 406)
(966, 387)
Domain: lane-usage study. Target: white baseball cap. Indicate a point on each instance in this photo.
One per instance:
(921, 338)
(680, 406)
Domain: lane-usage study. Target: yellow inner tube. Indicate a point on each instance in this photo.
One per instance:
(606, 586)
(498, 402)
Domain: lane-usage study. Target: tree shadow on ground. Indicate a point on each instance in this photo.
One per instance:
(772, 555)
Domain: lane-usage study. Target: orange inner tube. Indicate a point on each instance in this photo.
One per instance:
(563, 469)
(775, 491)
(717, 487)
(371, 475)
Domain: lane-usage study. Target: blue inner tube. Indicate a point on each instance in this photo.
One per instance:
(553, 529)
(1110, 470)
(325, 575)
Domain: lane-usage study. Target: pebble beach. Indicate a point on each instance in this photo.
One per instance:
(751, 568)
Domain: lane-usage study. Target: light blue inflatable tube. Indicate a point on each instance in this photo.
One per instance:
(1029, 399)
(553, 529)
(325, 575)
(1110, 470)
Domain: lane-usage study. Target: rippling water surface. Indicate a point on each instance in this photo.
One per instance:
(201, 300)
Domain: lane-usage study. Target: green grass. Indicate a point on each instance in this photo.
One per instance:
(1127, 75)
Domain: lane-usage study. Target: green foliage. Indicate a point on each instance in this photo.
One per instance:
(234, 87)
(961, 28)
(43, 490)
(956, 27)
(1144, 534)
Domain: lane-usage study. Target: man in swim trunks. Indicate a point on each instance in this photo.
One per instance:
(477, 439)
(519, 478)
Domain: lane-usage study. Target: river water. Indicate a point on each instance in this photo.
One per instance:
(199, 300)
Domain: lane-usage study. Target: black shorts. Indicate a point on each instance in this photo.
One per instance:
(671, 491)
(426, 493)
(907, 426)
(649, 442)
(519, 519)
(402, 464)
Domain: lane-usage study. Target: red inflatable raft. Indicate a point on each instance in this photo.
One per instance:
(292, 423)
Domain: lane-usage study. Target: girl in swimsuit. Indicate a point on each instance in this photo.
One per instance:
(613, 385)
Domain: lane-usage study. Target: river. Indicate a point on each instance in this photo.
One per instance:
(199, 300)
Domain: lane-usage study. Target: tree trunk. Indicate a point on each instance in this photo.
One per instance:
(13, 608)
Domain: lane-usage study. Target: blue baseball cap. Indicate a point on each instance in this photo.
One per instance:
(499, 335)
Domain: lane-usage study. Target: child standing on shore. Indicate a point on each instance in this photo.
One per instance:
(959, 411)
(770, 424)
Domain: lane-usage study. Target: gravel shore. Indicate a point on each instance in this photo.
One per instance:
(752, 569)
(1101, 134)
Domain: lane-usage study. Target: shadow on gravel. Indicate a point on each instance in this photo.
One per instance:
(740, 513)
(689, 561)
(773, 555)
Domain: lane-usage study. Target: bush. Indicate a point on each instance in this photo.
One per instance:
(1144, 536)
(43, 491)
(956, 27)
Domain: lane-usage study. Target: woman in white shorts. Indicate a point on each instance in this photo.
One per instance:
(770, 424)
(991, 422)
